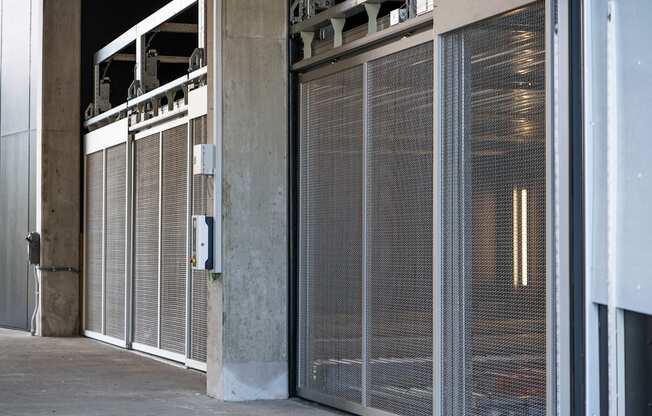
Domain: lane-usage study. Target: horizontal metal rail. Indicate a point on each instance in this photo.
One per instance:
(158, 92)
(159, 18)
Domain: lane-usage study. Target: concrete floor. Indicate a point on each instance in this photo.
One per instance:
(78, 376)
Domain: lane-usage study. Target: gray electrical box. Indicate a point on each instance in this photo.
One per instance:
(33, 248)
(203, 160)
(202, 242)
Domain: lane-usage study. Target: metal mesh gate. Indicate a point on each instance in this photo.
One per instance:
(175, 237)
(365, 244)
(202, 191)
(140, 192)
(94, 268)
(146, 240)
(331, 236)
(116, 230)
(493, 222)
(399, 231)
(105, 238)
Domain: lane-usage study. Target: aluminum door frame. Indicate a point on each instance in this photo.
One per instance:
(362, 60)
(455, 14)
(101, 140)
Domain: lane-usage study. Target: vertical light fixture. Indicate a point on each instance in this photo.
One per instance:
(515, 228)
(519, 236)
(524, 236)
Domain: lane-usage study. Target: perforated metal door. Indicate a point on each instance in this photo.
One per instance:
(202, 191)
(146, 241)
(399, 231)
(174, 238)
(116, 234)
(494, 216)
(94, 236)
(330, 264)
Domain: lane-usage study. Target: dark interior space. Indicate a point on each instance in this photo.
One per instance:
(638, 364)
(102, 22)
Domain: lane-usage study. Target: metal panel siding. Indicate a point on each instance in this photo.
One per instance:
(116, 171)
(94, 241)
(146, 240)
(202, 204)
(330, 241)
(14, 210)
(399, 231)
(494, 245)
(174, 227)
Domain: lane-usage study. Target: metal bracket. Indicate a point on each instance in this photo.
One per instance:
(197, 59)
(372, 13)
(307, 38)
(338, 29)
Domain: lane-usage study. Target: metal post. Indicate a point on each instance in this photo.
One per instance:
(103, 329)
(201, 24)
(128, 241)
(160, 217)
(365, 161)
(188, 240)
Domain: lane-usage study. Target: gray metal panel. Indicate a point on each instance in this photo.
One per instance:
(15, 67)
(399, 232)
(94, 241)
(494, 216)
(174, 227)
(330, 240)
(14, 198)
(202, 204)
(116, 198)
(633, 70)
(146, 241)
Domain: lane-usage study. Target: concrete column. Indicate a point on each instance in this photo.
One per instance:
(247, 345)
(58, 193)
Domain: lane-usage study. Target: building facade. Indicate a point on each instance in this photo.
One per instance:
(388, 207)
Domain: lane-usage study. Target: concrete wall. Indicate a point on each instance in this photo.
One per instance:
(20, 45)
(248, 302)
(59, 146)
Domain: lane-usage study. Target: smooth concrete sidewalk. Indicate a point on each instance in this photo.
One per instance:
(78, 376)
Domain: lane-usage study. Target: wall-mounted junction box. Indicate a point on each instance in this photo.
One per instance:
(202, 242)
(203, 160)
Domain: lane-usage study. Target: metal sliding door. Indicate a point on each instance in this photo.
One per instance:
(146, 310)
(365, 232)
(494, 272)
(139, 291)
(399, 231)
(330, 264)
(105, 234)
(202, 204)
(169, 316)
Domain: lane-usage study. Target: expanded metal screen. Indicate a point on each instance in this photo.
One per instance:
(494, 216)
(174, 241)
(146, 241)
(330, 264)
(365, 235)
(116, 210)
(94, 241)
(399, 231)
(202, 204)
